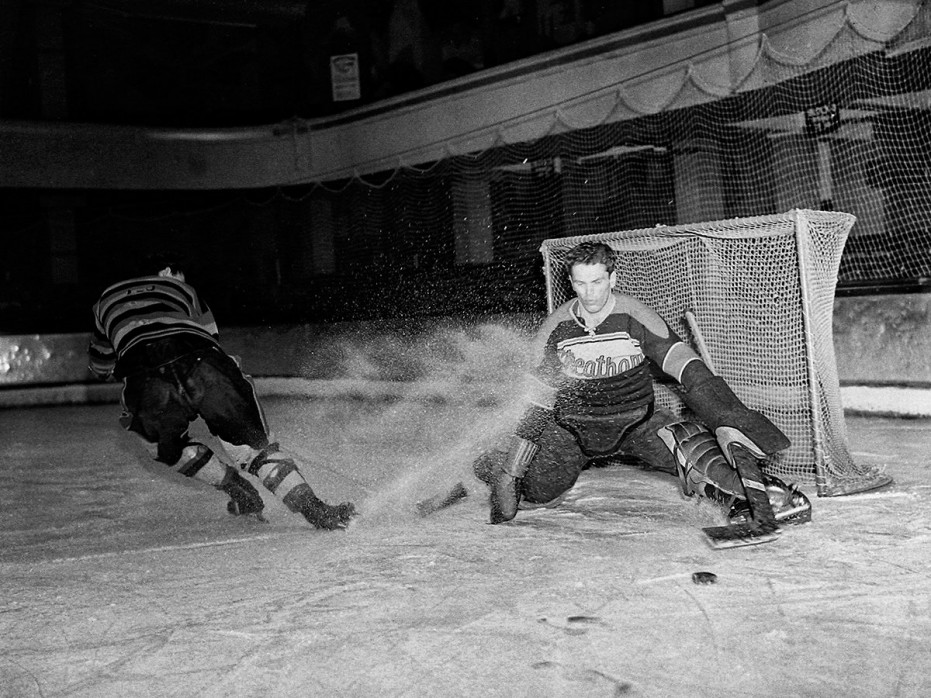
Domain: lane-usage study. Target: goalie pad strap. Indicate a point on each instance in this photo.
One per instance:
(519, 457)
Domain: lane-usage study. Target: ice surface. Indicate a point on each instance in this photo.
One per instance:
(118, 580)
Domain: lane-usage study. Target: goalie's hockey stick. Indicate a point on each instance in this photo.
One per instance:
(763, 528)
(738, 535)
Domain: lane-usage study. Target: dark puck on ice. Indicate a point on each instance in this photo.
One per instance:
(704, 577)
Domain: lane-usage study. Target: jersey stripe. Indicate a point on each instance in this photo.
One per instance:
(142, 310)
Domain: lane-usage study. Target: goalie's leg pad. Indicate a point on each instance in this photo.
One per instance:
(702, 467)
(555, 469)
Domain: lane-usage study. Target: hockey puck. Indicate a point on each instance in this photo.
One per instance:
(704, 577)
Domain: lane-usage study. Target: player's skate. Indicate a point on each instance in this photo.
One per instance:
(244, 498)
(318, 513)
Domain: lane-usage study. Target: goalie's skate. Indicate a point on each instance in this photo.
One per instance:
(789, 503)
(761, 525)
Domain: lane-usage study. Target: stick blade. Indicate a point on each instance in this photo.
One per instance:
(738, 535)
(428, 506)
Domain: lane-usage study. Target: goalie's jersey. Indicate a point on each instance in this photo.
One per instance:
(615, 352)
(136, 311)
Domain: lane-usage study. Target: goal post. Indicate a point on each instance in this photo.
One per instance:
(755, 297)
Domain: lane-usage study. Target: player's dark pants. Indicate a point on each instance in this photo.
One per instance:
(560, 459)
(170, 382)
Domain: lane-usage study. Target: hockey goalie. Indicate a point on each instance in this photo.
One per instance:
(591, 397)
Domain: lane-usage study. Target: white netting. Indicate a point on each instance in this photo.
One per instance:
(755, 297)
(843, 130)
(823, 108)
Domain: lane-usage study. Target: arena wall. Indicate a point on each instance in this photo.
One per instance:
(882, 343)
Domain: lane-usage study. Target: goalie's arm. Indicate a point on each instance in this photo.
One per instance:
(706, 394)
(716, 405)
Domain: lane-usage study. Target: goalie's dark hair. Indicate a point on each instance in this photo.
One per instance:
(590, 253)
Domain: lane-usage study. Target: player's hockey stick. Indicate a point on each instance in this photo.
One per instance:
(428, 506)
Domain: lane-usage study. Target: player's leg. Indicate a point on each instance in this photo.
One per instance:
(154, 410)
(227, 401)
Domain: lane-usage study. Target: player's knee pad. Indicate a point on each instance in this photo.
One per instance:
(277, 471)
(242, 455)
(199, 462)
(701, 465)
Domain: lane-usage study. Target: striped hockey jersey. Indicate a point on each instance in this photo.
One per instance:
(573, 358)
(136, 311)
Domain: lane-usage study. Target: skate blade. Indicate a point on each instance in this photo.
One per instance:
(737, 536)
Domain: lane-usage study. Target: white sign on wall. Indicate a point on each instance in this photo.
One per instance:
(344, 77)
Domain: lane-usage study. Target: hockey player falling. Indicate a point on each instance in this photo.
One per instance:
(592, 398)
(157, 335)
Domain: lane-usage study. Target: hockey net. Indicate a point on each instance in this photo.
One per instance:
(754, 296)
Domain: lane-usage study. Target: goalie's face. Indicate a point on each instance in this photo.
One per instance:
(592, 284)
